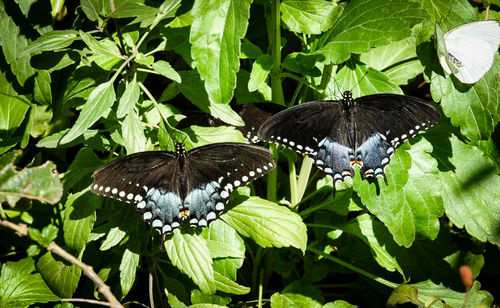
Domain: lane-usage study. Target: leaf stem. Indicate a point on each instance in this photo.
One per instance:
(305, 171)
(383, 281)
(292, 178)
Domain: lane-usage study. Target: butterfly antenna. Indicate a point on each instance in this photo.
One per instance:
(359, 81)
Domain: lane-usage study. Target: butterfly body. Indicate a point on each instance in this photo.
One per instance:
(168, 188)
(339, 135)
(468, 51)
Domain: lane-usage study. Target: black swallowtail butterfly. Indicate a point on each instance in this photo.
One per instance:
(168, 188)
(340, 134)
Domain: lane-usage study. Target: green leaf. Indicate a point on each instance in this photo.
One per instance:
(129, 98)
(411, 203)
(279, 300)
(189, 253)
(79, 219)
(80, 171)
(100, 47)
(164, 68)
(309, 16)
(12, 112)
(404, 293)
(470, 187)
(61, 277)
(475, 109)
(19, 288)
(42, 91)
(52, 41)
(128, 269)
(198, 297)
(452, 298)
(200, 136)
(222, 250)
(114, 236)
(134, 9)
(192, 88)
(99, 102)
(267, 223)
(13, 44)
(91, 8)
(249, 50)
(360, 80)
(398, 61)
(373, 233)
(226, 285)
(369, 23)
(260, 70)
(222, 235)
(39, 183)
(338, 304)
(218, 26)
(133, 134)
(303, 63)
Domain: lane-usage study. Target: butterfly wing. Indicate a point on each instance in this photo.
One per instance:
(318, 129)
(150, 180)
(212, 172)
(382, 122)
(253, 117)
(471, 47)
(444, 59)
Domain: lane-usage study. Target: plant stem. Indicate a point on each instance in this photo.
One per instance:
(272, 177)
(354, 268)
(276, 88)
(261, 287)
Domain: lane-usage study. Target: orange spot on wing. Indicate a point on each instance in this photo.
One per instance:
(184, 213)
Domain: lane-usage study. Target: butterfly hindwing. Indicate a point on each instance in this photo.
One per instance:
(214, 171)
(383, 122)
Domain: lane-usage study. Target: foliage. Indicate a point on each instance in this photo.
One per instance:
(84, 83)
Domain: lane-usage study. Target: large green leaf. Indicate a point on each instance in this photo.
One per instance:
(226, 285)
(19, 288)
(360, 80)
(268, 224)
(39, 183)
(51, 41)
(411, 203)
(475, 109)
(470, 187)
(60, 276)
(398, 61)
(129, 98)
(453, 298)
(97, 105)
(192, 88)
(133, 136)
(190, 254)
(128, 269)
(369, 23)
(13, 44)
(309, 16)
(226, 247)
(218, 26)
(79, 218)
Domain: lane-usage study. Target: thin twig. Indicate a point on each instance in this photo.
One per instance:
(22, 230)
(84, 300)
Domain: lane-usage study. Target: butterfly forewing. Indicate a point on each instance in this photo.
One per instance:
(301, 127)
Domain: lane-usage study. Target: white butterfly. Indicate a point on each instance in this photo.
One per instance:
(468, 50)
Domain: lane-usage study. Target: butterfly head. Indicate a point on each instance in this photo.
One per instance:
(180, 149)
(347, 99)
